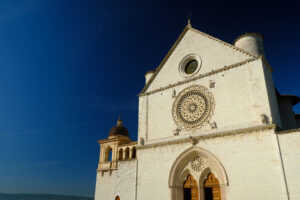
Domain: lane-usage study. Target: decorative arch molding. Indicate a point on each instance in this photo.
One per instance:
(204, 164)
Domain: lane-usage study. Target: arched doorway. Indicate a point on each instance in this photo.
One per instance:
(117, 198)
(212, 188)
(182, 168)
(190, 188)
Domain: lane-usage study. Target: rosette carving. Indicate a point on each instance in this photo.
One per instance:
(198, 163)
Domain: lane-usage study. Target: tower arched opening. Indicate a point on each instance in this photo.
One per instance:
(120, 156)
(108, 154)
(133, 153)
(127, 153)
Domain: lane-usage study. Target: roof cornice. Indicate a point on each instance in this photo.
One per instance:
(116, 138)
(223, 43)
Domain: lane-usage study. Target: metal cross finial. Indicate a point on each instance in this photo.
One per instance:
(119, 121)
(189, 16)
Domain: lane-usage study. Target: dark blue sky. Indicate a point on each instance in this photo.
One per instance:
(69, 67)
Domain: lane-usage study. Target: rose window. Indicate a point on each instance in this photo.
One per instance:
(193, 107)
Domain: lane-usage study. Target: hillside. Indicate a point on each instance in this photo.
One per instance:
(40, 197)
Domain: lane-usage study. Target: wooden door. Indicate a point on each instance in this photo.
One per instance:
(190, 185)
(213, 183)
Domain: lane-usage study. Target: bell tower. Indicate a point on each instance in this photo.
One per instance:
(109, 148)
(117, 162)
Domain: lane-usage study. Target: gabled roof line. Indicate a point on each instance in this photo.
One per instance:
(188, 27)
(224, 43)
(225, 68)
(166, 58)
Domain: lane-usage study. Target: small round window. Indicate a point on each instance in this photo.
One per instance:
(191, 67)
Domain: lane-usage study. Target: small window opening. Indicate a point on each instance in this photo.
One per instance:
(108, 154)
(133, 152)
(127, 153)
(121, 154)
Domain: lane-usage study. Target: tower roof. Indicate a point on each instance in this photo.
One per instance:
(118, 130)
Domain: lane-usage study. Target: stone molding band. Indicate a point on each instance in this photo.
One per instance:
(288, 131)
(195, 139)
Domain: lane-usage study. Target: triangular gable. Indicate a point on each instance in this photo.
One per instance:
(181, 36)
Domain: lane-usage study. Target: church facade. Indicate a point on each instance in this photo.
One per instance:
(211, 126)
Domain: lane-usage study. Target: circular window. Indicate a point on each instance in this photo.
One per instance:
(189, 65)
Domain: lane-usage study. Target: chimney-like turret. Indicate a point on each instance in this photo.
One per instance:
(251, 42)
(148, 75)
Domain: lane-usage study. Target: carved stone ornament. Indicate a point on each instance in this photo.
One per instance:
(193, 108)
(198, 163)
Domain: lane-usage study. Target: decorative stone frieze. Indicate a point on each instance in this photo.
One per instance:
(213, 125)
(264, 119)
(176, 131)
(173, 93)
(211, 84)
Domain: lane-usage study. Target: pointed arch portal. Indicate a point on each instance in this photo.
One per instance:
(197, 175)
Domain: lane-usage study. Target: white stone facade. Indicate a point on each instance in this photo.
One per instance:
(241, 141)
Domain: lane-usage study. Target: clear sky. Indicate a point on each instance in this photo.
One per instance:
(69, 67)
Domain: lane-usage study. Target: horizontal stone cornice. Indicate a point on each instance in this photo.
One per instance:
(195, 139)
(128, 144)
(113, 139)
(288, 131)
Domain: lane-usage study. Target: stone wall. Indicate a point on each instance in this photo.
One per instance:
(290, 149)
(251, 161)
(121, 182)
(240, 97)
(214, 54)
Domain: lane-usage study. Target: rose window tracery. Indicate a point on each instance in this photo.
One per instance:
(193, 107)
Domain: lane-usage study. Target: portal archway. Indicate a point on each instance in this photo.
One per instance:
(199, 163)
